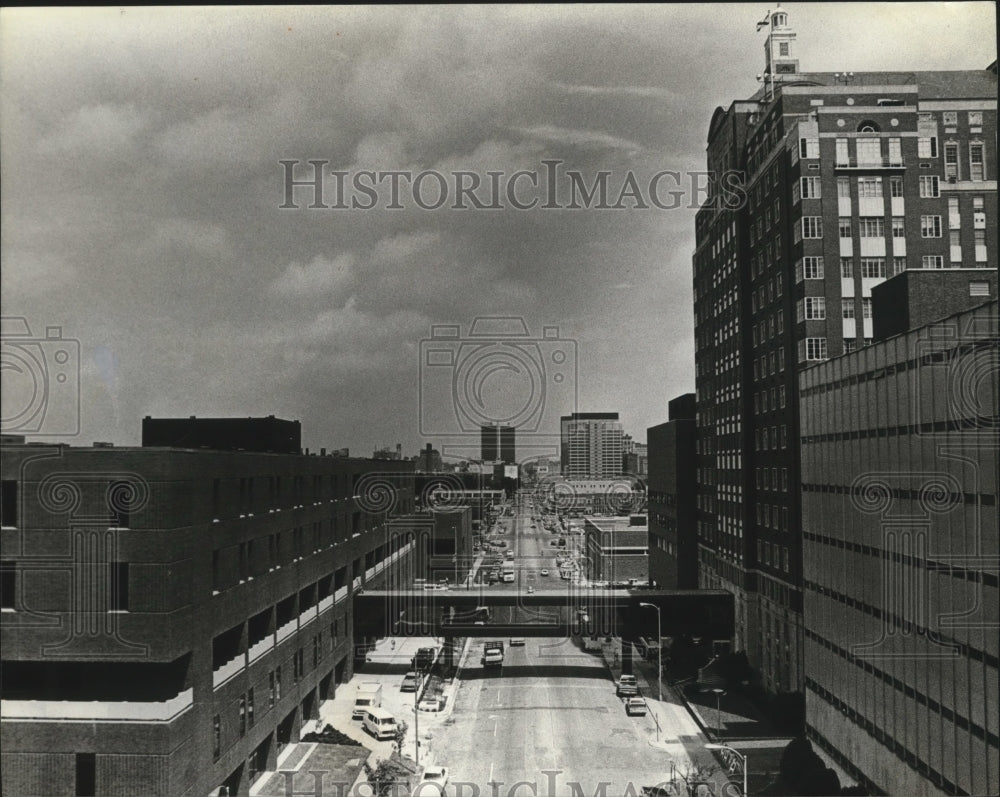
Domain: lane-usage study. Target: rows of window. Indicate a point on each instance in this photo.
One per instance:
(773, 478)
(768, 400)
(769, 364)
(847, 308)
(766, 293)
(769, 328)
(246, 708)
(851, 344)
(770, 438)
(773, 555)
(117, 594)
(237, 564)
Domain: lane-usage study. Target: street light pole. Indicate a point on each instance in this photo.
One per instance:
(416, 717)
(659, 660)
(741, 756)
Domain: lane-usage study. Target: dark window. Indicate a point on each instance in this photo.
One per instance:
(244, 569)
(86, 775)
(118, 592)
(216, 580)
(8, 504)
(8, 585)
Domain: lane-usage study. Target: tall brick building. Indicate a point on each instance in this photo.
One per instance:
(171, 617)
(826, 185)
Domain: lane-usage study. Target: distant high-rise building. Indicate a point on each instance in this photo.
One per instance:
(635, 458)
(899, 527)
(591, 445)
(508, 452)
(429, 460)
(673, 553)
(497, 444)
(827, 184)
(489, 449)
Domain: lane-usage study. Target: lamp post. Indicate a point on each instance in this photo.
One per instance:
(718, 708)
(416, 717)
(742, 758)
(659, 660)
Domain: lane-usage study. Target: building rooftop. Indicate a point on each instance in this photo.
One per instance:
(952, 85)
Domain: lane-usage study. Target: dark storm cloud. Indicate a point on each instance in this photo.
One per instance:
(142, 187)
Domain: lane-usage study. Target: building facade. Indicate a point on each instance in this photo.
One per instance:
(616, 549)
(591, 445)
(578, 497)
(826, 185)
(635, 457)
(508, 445)
(673, 536)
(172, 617)
(489, 443)
(900, 542)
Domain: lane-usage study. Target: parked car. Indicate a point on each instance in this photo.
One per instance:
(432, 782)
(410, 682)
(423, 659)
(635, 706)
(430, 704)
(517, 641)
(628, 686)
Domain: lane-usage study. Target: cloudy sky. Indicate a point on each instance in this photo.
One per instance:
(142, 193)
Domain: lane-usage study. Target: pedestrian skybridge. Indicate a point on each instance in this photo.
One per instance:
(573, 611)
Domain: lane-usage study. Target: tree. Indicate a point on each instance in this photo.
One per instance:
(386, 778)
(401, 729)
(803, 773)
(735, 668)
(697, 779)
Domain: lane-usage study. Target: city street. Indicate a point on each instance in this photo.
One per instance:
(550, 715)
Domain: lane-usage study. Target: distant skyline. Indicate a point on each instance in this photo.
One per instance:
(142, 185)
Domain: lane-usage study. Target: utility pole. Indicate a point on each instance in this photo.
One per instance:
(659, 660)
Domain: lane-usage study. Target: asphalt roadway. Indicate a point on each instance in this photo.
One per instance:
(548, 719)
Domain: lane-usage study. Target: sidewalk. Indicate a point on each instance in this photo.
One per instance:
(388, 664)
(682, 731)
(728, 716)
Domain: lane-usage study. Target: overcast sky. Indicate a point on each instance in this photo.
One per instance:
(142, 191)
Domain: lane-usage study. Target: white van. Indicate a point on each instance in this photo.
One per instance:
(379, 723)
